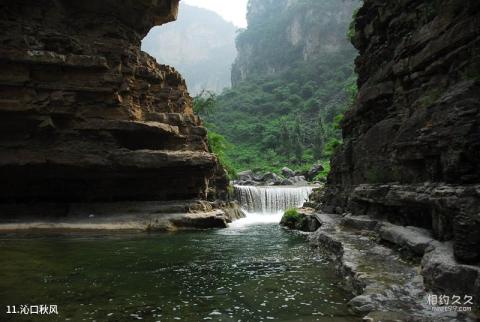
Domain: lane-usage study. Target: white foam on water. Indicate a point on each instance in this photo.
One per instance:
(257, 218)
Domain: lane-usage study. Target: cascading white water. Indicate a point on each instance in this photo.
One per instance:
(271, 200)
(267, 204)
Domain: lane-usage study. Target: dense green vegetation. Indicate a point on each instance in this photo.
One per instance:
(204, 104)
(291, 216)
(289, 117)
(293, 219)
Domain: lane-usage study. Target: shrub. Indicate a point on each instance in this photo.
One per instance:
(291, 216)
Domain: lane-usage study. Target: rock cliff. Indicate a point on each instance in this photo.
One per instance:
(85, 115)
(412, 141)
(305, 30)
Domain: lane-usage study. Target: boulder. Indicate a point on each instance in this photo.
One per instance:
(301, 173)
(287, 172)
(299, 181)
(443, 273)
(314, 171)
(271, 179)
(287, 182)
(301, 219)
(245, 175)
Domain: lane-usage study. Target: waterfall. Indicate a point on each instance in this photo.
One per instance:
(271, 200)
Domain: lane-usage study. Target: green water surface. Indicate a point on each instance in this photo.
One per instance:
(250, 273)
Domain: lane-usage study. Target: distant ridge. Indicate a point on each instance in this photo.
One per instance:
(200, 45)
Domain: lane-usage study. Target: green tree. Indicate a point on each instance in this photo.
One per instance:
(218, 145)
(204, 103)
(319, 139)
(285, 141)
(297, 141)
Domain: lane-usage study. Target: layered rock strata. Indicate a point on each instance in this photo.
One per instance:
(412, 141)
(85, 115)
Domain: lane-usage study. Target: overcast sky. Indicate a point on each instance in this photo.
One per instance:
(234, 11)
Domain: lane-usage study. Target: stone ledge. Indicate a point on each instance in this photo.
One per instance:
(44, 57)
(415, 239)
(121, 216)
(381, 280)
(442, 273)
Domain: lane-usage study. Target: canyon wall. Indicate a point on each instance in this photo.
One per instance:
(282, 32)
(411, 149)
(85, 115)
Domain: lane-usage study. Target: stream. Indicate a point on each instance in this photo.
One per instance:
(252, 271)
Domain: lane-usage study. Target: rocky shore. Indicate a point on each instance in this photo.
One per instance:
(392, 270)
(95, 133)
(120, 216)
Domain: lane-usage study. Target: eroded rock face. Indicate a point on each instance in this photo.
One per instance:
(299, 34)
(412, 142)
(85, 115)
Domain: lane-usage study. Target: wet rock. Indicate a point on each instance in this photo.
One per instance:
(386, 286)
(362, 304)
(141, 216)
(231, 209)
(303, 220)
(216, 219)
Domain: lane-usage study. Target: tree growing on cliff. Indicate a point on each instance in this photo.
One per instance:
(204, 103)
